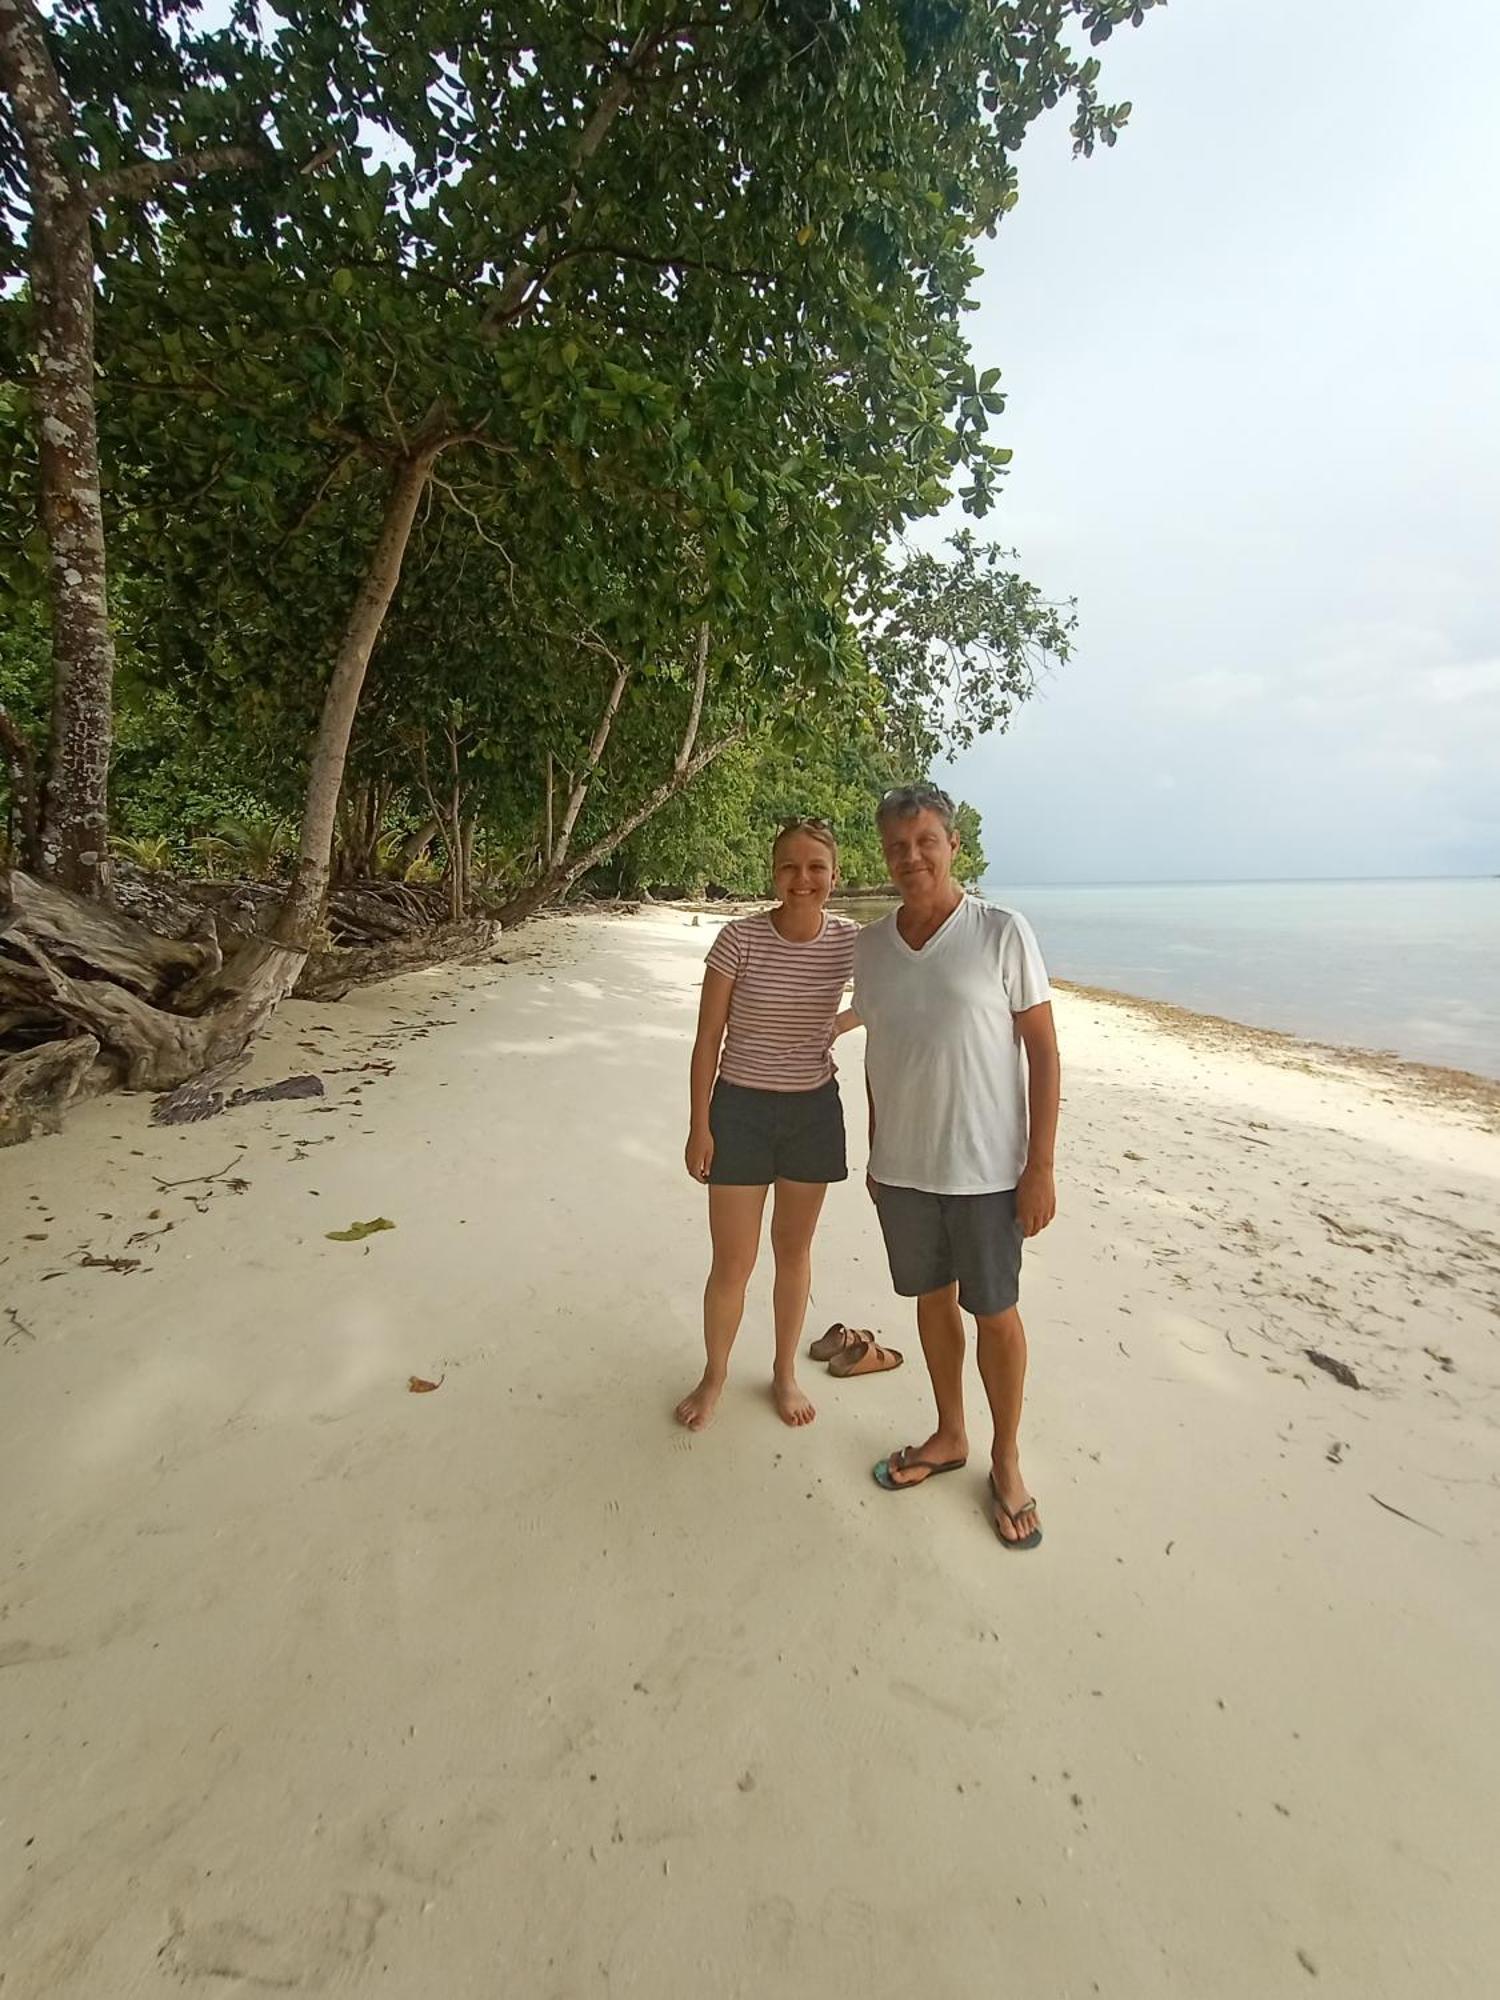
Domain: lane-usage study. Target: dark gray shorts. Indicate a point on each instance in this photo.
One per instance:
(933, 1240)
(761, 1136)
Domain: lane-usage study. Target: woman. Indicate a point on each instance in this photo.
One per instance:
(767, 1111)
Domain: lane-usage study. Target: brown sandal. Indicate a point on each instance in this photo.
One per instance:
(836, 1339)
(864, 1356)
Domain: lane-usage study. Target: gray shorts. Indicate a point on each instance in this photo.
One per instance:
(935, 1240)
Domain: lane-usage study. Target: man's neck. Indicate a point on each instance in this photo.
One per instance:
(920, 917)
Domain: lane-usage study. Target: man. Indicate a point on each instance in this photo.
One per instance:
(963, 1076)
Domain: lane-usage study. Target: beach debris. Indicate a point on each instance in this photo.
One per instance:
(200, 1097)
(124, 1265)
(418, 1385)
(1138, 1157)
(276, 1093)
(1306, 1962)
(194, 1179)
(148, 1235)
(1331, 1365)
(203, 1097)
(746, 1781)
(1335, 1453)
(358, 1231)
(18, 1328)
(1406, 1517)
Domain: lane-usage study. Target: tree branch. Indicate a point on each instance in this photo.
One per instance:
(667, 790)
(146, 176)
(519, 288)
(675, 261)
(695, 714)
(143, 179)
(580, 787)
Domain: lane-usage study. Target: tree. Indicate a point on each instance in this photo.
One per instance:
(69, 163)
(705, 273)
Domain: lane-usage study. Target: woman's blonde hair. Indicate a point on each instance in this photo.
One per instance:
(817, 829)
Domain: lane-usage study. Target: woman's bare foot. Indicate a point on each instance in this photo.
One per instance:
(696, 1410)
(792, 1405)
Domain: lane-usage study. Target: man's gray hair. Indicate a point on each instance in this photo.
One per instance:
(906, 801)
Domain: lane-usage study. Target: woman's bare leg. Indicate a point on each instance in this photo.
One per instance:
(794, 1218)
(734, 1215)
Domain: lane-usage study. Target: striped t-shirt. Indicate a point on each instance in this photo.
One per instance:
(780, 1033)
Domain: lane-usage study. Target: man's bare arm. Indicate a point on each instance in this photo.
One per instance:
(1036, 1191)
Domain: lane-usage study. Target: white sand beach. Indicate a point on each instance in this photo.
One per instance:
(310, 1684)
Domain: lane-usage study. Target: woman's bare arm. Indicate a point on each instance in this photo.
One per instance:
(713, 1018)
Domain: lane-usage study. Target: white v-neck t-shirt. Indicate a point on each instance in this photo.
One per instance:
(946, 1067)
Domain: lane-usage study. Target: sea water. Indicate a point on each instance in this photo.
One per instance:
(1411, 966)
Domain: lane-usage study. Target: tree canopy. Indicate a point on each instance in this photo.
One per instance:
(503, 425)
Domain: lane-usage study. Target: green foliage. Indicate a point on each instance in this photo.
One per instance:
(720, 833)
(683, 293)
(153, 852)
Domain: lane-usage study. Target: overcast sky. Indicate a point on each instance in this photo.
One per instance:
(1251, 356)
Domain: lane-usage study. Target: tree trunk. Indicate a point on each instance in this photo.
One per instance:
(302, 906)
(417, 843)
(361, 816)
(73, 841)
(557, 853)
(557, 876)
(24, 830)
(557, 882)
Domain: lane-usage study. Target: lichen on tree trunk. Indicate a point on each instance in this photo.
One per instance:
(73, 837)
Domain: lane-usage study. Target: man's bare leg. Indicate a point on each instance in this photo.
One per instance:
(734, 1215)
(1002, 1368)
(941, 1326)
(793, 1221)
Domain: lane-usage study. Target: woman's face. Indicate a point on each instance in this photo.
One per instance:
(803, 870)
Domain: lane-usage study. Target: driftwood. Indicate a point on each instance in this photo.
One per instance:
(87, 990)
(96, 941)
(37, 1086)
(160, 1009)
(328, 975)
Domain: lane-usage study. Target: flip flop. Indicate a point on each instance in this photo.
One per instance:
(864, 1356)
(835, 1340)
(1027, 1542)
(906, 1460)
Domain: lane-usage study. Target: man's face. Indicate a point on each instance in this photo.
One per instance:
(919, 853)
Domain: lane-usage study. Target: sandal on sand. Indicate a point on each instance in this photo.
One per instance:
(906, 1460)
(1013, 1515)
(837, 1338)
(864, 1356)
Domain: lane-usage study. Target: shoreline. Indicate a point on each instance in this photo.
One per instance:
(1475, 1096)
(1472, 1093)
